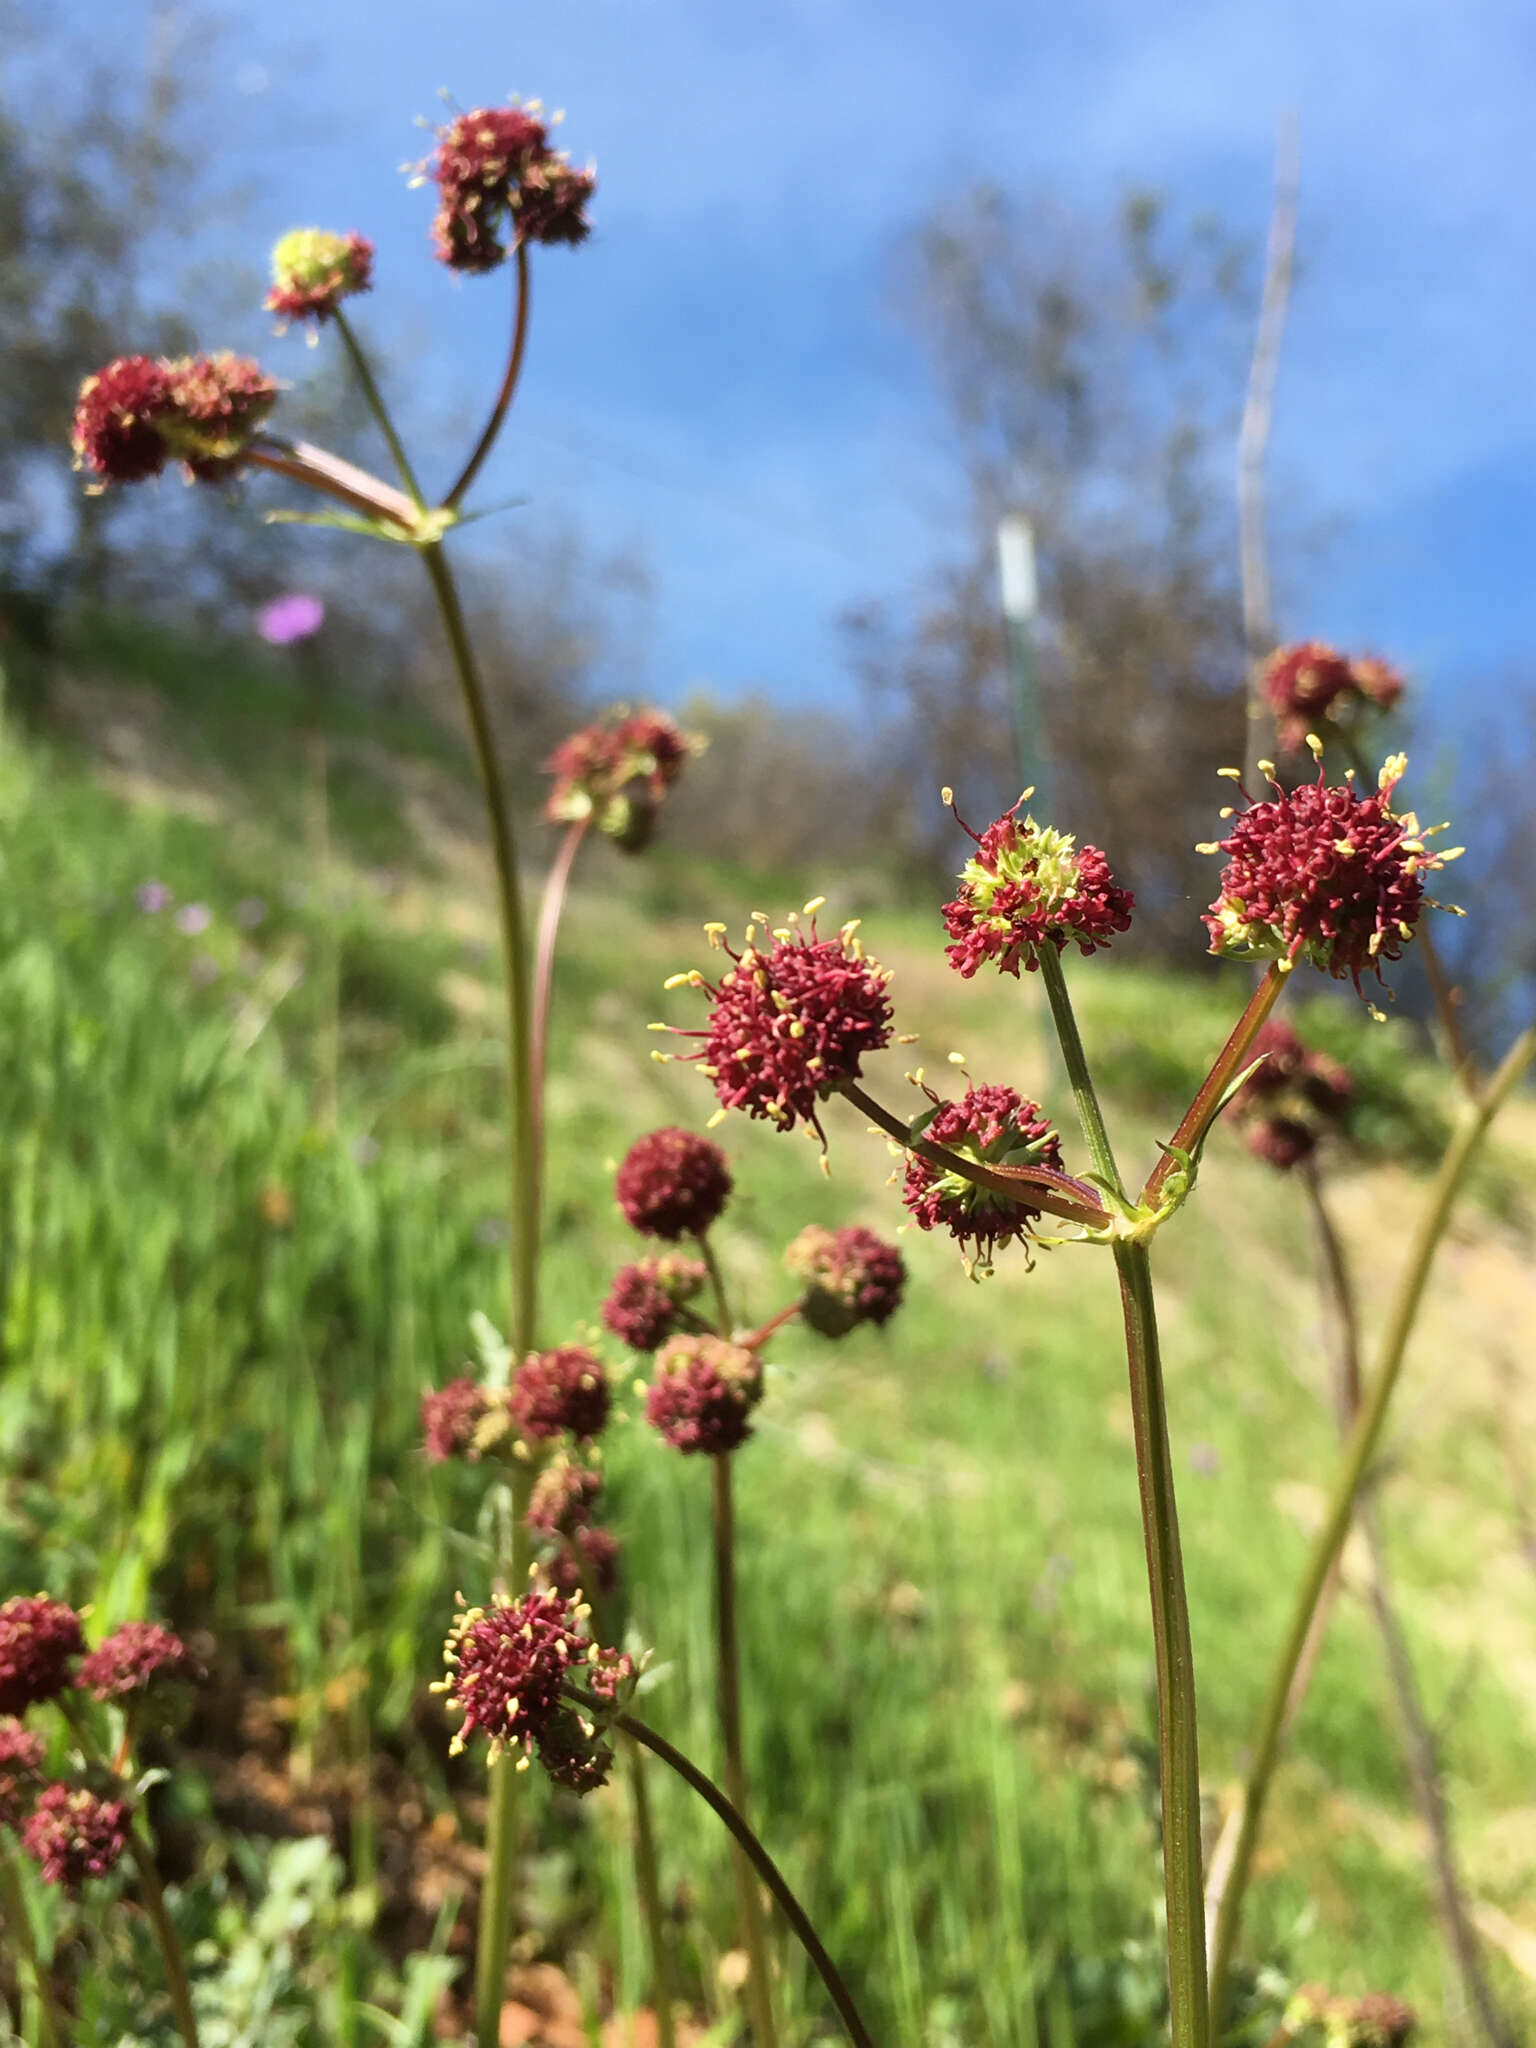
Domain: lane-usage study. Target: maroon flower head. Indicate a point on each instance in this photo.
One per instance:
(563, 1498)
(1301, 685)
(507, 1666)
(116, 432)
(461, 1420)
(21, 1757)
(789, 1023)
(702, 1393)
(615, 773)
(851, 1277)
(1284, 1057)
(991, 1126)
(1280, 1141)
(217, 404)
(587, 1563)
(563, 1391)
(1329, 1087)
(71, 1835)
(1378, 2020)
(39, 1639)
(1322, 874)
(1378, 682)
(573, 1752)
(498, 181)
(644, 1301)
(672, 1182)
(1028, 886)
(313, 271)
(132, 1658)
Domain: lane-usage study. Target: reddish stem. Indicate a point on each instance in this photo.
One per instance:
(1201, 1113)
(760, 1337)
(321, 471)
(550, 908)
(1040, 1187)
(504, 396)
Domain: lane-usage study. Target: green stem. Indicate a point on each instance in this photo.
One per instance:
(723, 1323)
(648, 1880)
(523, 1233)
(754, 1933)
(1178, 1737)
(1178, 1734)
(363, 371)
(15, 1912)
(1084, 1094)
(1201, 1113)
(765, 1867)
(165, 1934)
(504, 396)
(1359, 1452)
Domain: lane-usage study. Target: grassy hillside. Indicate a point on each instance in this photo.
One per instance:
(251, 1200)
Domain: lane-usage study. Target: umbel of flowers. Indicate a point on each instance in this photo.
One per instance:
(615, 773)
(1028, 886)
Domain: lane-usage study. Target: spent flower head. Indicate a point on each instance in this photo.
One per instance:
(672, 1183)
(702, 1393)
(313, 270)
(587, 1561)
(218, 403)
(1311, 684)
(646, 1299)
(1324, 874)
(992, 1125)
(563, 1498)
(560, 1392)
(790, 1019)
(462, 1420)
(72, 1834)
(615, 773)
(851, 1276)
(39, 1641)
(1028, 886)
(116, 434)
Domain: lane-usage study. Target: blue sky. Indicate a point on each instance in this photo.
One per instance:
(717, 381)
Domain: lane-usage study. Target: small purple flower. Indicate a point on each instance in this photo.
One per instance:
(151, 896)
(193, 918)
(250, 911)
(296, 616)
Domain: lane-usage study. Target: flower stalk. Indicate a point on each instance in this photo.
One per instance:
(153, 1897)
(508, 391)
(648, 1883)
(13, 1913)
(1205, 1108)
(1359, 1451)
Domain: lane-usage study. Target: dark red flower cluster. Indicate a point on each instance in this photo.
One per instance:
(137, 413)
(563, 1498)
(588, 1562)
(1293, 1100)
(789, 1024)
(72, 1834)
(313, 271)
(672, 1183)
(573, 1753)
(1322, 874)
(1311, 683)
(21, 1758)
(1375, 2020)
(615, 772)
(645, 1300)
(560, 1392)
(499, 181)
(39, 1641)
(132, 1658)
(583, 1556)
(702, 1393)
(990, 1126)
(461, 1420)
(1029, 886)
(851, 1276)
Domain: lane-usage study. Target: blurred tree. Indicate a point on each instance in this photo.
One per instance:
(1093, 372)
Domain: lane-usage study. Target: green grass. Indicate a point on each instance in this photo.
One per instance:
(217, 1316)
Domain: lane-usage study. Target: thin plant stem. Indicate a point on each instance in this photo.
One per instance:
(153, 1898)
(1178, 1737)
(754, 1933)
(317, 832)
(321, 471)
(741, 1832)
(716, 1284)
(1041, 1187)
(523, 1245)
(504, 396)
(551, 905)
(648, 1881)
(1201, 1113)
(759, 1337)
(1361, 1448)
(13, 1909)
(1089, 1114)
(1178, 1732)
(1419, 1746)
(362, 369)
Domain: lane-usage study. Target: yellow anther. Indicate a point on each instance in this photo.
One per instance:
(814, 905)
(946, 795)
(1231, 774)
(662, 1059)
(1226, 811)
(1314, 746)
(849, 929)
(956, 1059)
(1393, 769)
(1207, 846)
(826, 1164)
(658, 1027)
(906, 1038)
(1267, 768)
(783, 934)
(689, 974)
(717, 1118)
